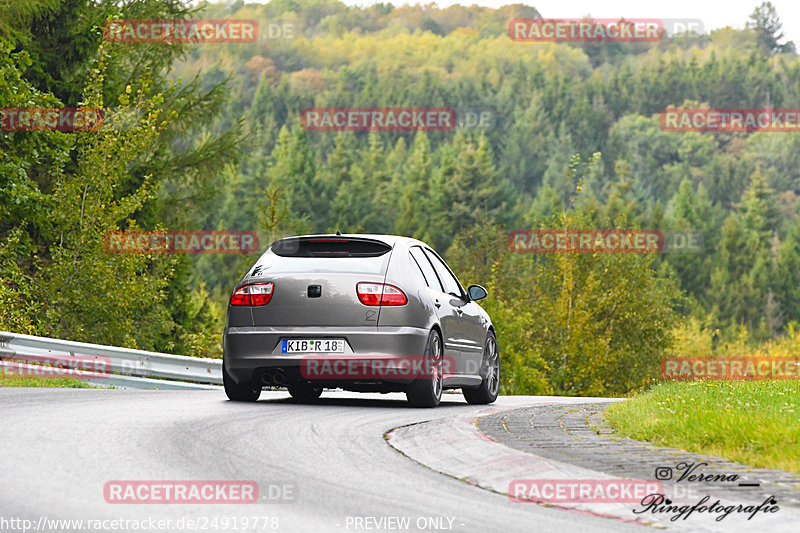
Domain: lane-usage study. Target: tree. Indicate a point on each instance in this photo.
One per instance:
(690, 210)
(759, 210)
(787, 275)
(293, 170)
(362, 202)
(765, 22)
(331, 175)
(524, 151)
(415, 205)
(743, 275)
(82, 291)
(468, 189)
(569, 322)
(59, 54)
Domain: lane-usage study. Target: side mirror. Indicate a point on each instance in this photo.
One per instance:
(476, 292)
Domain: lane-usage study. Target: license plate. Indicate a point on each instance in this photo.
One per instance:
(312, 346)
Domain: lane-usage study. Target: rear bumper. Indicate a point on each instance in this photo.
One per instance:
(251, 352)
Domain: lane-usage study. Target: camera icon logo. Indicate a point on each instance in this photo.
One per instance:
(663, 473)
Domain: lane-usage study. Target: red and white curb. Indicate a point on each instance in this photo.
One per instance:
(455, 447)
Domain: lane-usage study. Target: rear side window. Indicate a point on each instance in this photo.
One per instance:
(425, 266)
(451, 285)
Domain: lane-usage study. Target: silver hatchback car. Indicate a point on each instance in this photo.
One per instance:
(367, 313)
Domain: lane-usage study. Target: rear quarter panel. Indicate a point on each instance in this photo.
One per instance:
(419, 311)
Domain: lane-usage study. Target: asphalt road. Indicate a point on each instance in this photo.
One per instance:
(61, 446)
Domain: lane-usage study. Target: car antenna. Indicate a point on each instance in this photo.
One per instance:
(338, 232)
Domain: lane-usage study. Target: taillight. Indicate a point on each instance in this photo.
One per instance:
(380, 294)
(256, 294)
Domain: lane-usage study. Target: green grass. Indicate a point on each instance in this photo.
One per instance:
(751, 422)
(30, 381)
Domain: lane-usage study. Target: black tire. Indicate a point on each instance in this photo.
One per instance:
(239, 392)
(304, 392)
(426, 391)
(487, 391)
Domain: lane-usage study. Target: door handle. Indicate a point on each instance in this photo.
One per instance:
(437, 304)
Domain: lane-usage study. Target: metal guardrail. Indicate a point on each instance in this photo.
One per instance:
(118, 367)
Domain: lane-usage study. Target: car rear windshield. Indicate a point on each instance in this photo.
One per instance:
(324, 255)
(329, 247)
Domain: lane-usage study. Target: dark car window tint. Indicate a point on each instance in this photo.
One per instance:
(323, 255)
(415, 266)
(427, 269)
(450, 283)
(329, 247)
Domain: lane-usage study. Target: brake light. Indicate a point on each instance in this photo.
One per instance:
(380, 294)
(256, 294)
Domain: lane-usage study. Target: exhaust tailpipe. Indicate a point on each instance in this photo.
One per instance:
(278, 377)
